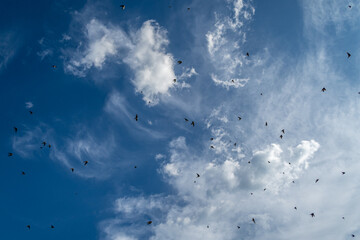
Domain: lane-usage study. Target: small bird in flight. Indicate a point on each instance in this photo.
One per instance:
(49, 145)
(283, 131)
(10, 154)
(122, 7)
(281, 136)
(239, 118)
(135, 166)
(149, 222)
(28, 226)
(54, 66)
(211, 138)
(343, 173)
(52, 226)
(312, 214)
(247, 54)
(348, 54)
(15, 129)
(266, 124)
(253, 220)
(43, 143)
(295, 208)
(86, 162)
(211, 146)
(136, 117)
(349, 6)
(193, 123)
(352, 235)
(179, 62)
(23, 173)
(174, 80)
(188, 9)
(72, 169)
(197, 175)
(323, 89)
(30, 112)
(238, 227)
(316, 180)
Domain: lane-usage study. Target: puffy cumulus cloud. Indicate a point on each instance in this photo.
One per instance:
(102, 43)
(144, 51)
(224, 45)
(213, 205)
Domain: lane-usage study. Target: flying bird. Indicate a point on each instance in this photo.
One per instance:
(10, 154)
(295, 208)
(343, 173)
(86, 162)
(30, 112)
(43, 143)
(348, 54)
(211, 138)
(207, 226)
(188, 9)
(54, 66)
(235, 144)
(197, 175)
(316, 180)
(23, 173)
(268, 161)
(283, 131)
(135, 166)
(281, 136)
(123, 7)
(247, 54)
(186, 119)
(179, 62)
(253, 220)
(249, 162)
(149, 222)
(136, 117)
(15, 129)
(323, 89)
(28, 226)
(349, 6)
(238, 227)
(72, 169)
(312, 214)
(239, 118)
(251, 193)
(174, 80)
(232, 80)
(352, 235)
(211, 146)
(193, 123)
(52, 226)
(264, 189)
(266, 124)
(49, 145)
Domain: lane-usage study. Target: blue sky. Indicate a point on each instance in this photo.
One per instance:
(112, 64)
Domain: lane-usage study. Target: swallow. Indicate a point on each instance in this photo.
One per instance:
(72, 169)
(281, 136)
(136, 117)
(122, 7)
(186, 120)
(247, 54)
(316, 180)
(239, 118)
(253, 219)
(179, 62)
(197, 175)
(10, 154)
(312, 214)
(149, 222)
(266, 124)
(348, 54)
(193, 123)
(323, 89)
(283, 131)
(15, 129)
(85, 163)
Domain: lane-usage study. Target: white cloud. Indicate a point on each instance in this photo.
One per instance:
(9, 44)
(29, 105)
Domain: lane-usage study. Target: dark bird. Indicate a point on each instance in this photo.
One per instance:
(266, 124)
(253, 220)
(10, 154)
(186, 119)
(136, 117)
(352, 235)
(235, 144)
(135, 166)
(249, 162)
(295, 208)
(238, 227)
(316, 180)
(207, 226)
(343, 218)
(289, 163)
(239, 118)
(268, 161)
(30, 112)
(349, 6)
(232, 80)
(264, 189)
(52, 226)
(49, 145)
(343, 173)
(28, 226)
(54, 66)
(23, 173)
(323, 89)
(211, 146)
(174, 80)
(247, 54)
(251, 193)
(283, 131)
(15, 129)
(188, 9)
(86, 162)
(211, 139)
(72, 169)
(123, 7)
(43, 143)
(281, 136)
(149, 222)
(197, 175)
(348, 54)
(179, 62)
(312, 214)
(293, 181)
(193, 123)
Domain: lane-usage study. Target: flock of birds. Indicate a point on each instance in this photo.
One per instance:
(44, 143)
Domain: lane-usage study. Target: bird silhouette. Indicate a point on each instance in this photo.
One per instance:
(193, 123)
(23, 173)
(349, 6)
(253, 219)
(239, 118)
(235, 144)
(86, 162)
(72, 169)
(174, 80)
(247, 54)
(49, 145)
(28, 226)
(186, 119)
(316, 180)
(149, 222)
(188, 9)
(232, 80)
(352, 235)
(30, 112)
(207, 226)
(136, 117)
(197, 175)
(43, 143)
(264, 189)
(343, 173)
(281, 136)
(283, 131)
(295, 208)
(323, 89)
(249, 162)
(211, 146)
(54, 66)
(348, 54)
(122, 7)
(266, 124)
(211, 139)
(179, 62)
(312, 214)
(268, 161)
(135, 166)
(10, 154)
(52, 226)
(15, 129)
(238, 227)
